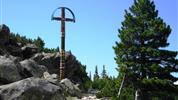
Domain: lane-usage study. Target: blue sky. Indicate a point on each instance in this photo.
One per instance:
(92, 36)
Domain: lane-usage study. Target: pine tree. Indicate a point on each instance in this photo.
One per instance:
(90, 76)
(140, 54)
(39, 43)
(104, 74)
(96, 76)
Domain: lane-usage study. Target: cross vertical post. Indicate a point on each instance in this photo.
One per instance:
(62, 59)
(62, 53)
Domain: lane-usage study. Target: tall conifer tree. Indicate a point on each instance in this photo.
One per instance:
(140, 54)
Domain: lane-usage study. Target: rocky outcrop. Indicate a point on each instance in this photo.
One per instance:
(31, 89)
(27, 74)
(11, 45)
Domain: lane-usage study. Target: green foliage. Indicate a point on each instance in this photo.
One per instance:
(39, 43)
(96, 76)
(107, 87)
(81, 73)
(98, 84)
(139, 54)
(127, 93)
(20, 39)
(51, 50)
(104, 74)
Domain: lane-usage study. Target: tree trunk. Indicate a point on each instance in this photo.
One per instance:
(121, 86)
(137, 95)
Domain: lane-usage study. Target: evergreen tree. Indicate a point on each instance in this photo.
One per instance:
(39, 43)
(90, 76)
(139, 53)
(57, 49)
(96, 76)
(104, 74)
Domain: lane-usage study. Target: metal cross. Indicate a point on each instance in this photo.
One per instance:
(63, 20)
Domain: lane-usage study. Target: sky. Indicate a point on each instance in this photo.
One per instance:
(91, 38)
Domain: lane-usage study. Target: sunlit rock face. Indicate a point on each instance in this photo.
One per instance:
(31, 89)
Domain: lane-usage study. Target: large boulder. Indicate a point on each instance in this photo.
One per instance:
(29, 50)
(30, 68)
(51, 78)
(9, 69)
(71, 88)
(31, 89)
(50, 60)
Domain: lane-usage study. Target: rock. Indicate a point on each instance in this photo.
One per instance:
(31, 89)
(71, 88)
(14, 50)
(4, 34)
(29, 50)
(30, 68)
(52, 62)
(90, 98)
(51, 78)
(9, 69)
(73, 69)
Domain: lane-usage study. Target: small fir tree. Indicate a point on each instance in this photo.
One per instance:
(104, 74)
(96, 76)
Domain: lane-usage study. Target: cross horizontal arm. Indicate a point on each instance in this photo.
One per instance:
(69, 19)
(56, 18)
(66, 19)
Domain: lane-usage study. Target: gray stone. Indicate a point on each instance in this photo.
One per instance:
(52, 62)
(51, 78)
(30, 68)
(71, 88)
(14, 50)
(9, 69)
(31, 89)
(29, 50)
